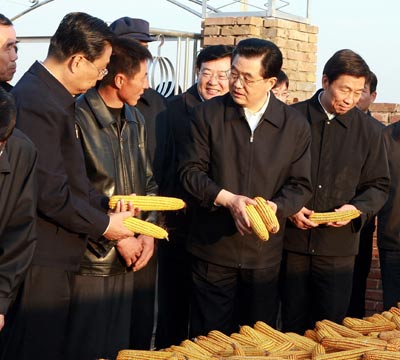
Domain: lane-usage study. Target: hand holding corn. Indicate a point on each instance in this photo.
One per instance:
(338, 218)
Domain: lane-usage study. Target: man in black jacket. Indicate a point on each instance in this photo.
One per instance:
(18, 192)
(349, 171)
(389, 224)
(69, 208)
(241, 146)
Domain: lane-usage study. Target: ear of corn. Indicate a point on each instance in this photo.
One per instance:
(353, 343)
(381, 355)
(267, 215)
(302, 342)
(256, 223)
(355, 354)
(341, 329)
(366, 327)
(334, 216)
(318, 349)
(146, 228)
(272, 333)
(148, 203)
(142, 354)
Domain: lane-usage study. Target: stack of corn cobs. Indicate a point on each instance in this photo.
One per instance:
(374, 338)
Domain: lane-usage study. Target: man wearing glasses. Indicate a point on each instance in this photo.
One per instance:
(243, 144)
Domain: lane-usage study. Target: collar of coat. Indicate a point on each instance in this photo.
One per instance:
(101, 112)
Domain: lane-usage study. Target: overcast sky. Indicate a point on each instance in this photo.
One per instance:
(361, 25)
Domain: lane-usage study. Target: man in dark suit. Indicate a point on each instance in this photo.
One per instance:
(18, 191)
(69, 209)
(241, 146)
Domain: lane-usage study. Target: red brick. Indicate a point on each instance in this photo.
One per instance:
(374, 284)
(374, 273)
(373, 295)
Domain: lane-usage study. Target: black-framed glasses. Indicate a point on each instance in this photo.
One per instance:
(101, 72)
(244, 80)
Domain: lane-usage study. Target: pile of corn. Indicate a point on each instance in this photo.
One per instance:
(374, 338)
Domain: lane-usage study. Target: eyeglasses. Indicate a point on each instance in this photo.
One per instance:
(219, 75)
(244, 80)
(102, 72)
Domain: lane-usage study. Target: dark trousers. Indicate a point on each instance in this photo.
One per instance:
(174, 293)
(362, 267)
(390, 271)
(100, 316)
(314, 288)
(225, 298)
(36, 327)
(143, 305)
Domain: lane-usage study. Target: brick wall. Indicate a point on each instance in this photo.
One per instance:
(297, 41)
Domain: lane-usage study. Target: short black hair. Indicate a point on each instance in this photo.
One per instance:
(346, 62)
(4, 20)
(126, 57)
(271, 55)
(282, 78)
(80, 33)
(213, 52)
(373, 82)
(8, 114)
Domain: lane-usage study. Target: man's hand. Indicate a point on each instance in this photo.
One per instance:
(147, 253)
(342, 223)
(301, 220)
(116, 229)
(237, 206)
(130, 249)
(1, 321)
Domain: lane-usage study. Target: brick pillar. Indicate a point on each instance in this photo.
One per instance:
(297, 41)
(385, 112)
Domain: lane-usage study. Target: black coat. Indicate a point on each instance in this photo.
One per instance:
(349, 166)
(389, 216)
(116, 163)
(69, 208)
(18, 191)
(221, 153)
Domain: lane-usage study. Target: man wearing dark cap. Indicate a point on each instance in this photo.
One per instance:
(160, 146)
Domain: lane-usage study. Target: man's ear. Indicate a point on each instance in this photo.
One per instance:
(374, 94)
(74, 62)
(119, 80)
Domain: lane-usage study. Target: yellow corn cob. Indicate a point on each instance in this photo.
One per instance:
(355, 354)
(322, 334)
(187, 353)
(268, 345)
(262, 357)
(238, 349)
(288, 345)
(388, 315)
(394, 341)
(267, 215)
(390, 334)
(342, 330)
(196, 348)
(311, 334)
(243, 340)
(209, 344)
(318, 349)
(148, 203)
(252, 334)
(302, 342)
(146, 228)
(272, 333)
(292, 354)
(329, 330)
(142, 354)
(353, 343)
(381, 355)
(256, 223)
(220, 337)
(366, 327)
(334, 216)
(396, 320)
(395, 310)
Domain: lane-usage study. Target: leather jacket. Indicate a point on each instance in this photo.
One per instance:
(116, 163)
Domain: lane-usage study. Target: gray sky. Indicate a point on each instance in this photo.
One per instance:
(360, 25)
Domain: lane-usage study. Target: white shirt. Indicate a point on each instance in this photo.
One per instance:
(253, 118)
